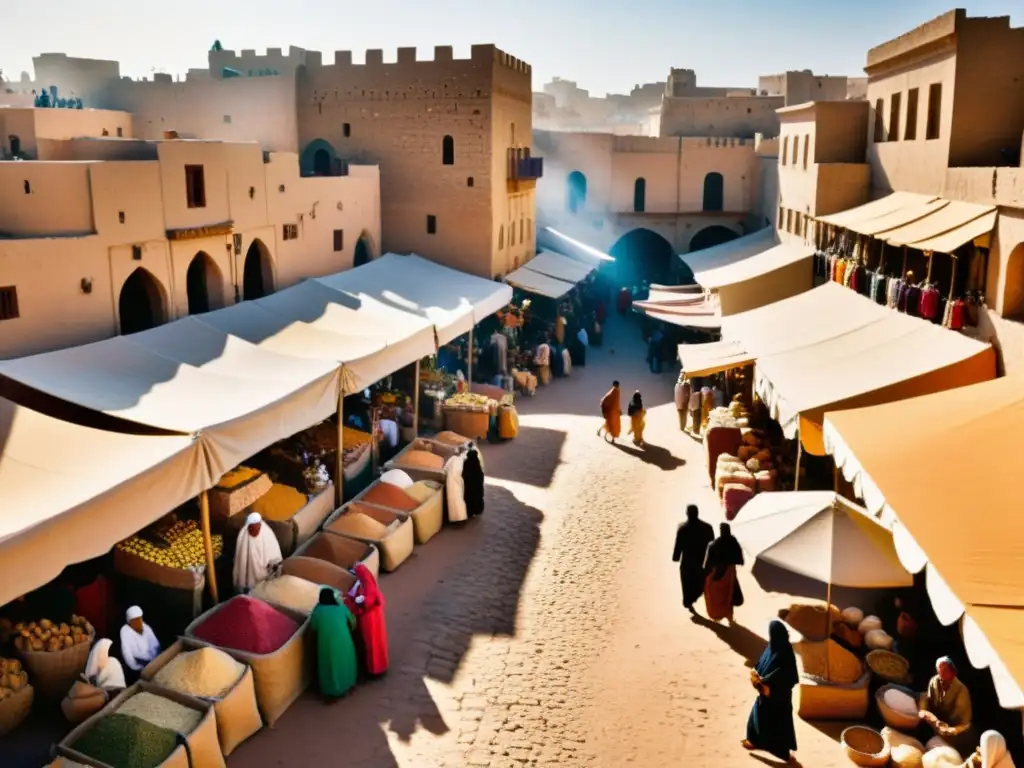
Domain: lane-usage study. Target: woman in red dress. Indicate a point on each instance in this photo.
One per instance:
(367, 603)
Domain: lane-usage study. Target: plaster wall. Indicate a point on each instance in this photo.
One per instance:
(34, 125)
(732, 116)
(41, 199)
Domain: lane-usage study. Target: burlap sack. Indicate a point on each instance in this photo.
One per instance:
(238, 716)
(279, 677)
(202, 741)
(82, 701)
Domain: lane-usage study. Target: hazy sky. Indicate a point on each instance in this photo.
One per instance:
(604, 45)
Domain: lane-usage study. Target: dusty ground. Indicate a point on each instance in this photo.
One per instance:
(550, 632)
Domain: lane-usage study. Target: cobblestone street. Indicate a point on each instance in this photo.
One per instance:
(550, 632)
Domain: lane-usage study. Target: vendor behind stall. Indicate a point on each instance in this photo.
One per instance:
(139, 645)
(257, 552)
(946, 707)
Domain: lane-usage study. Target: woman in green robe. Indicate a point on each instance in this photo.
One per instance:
(333, 624)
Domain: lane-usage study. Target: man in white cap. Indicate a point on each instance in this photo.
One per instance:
(139, 645)
(256, 554)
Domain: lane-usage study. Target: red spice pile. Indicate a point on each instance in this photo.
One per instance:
(249, 625)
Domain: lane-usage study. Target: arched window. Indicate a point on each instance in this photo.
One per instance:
(639, 195)
(448, 151)
(714, 192)
(796, 150)
(576, 192)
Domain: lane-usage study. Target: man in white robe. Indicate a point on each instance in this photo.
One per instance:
(256, 554)
(139, 645)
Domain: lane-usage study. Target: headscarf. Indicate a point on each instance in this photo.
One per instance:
(253, 518)
(723, 552)
(103, 671)
(636, 404)
(327, 596)
(993, 751)
(949, 662)
(133, 613)
(779, 654)
(372, 596)
(255, 556)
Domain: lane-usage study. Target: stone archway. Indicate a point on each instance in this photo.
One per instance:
(364, 251)
(257, 273)
(318, 158)
(1013, 286)
(576, 192)
(204, 285)
(711, 236)
(141, 304)
(642, 254)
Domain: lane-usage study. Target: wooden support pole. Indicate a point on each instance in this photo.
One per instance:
(204, 521)
(799, 455)
(835, 478)
(469, 362)
(339, 463)
(416, 403)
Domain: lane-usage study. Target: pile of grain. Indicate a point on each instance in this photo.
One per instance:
(289, 591)
(248, 625)
(450, 438)
(811, 620)
(123, 741)
(843, 667)
(422, 490)
(161, 712)
(281, 502)
(204, 672)
(390, 496)
(362, 526)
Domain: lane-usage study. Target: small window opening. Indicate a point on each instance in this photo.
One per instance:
(448, 151)
(431, 224)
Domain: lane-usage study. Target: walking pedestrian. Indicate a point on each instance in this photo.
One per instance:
(770, 725)
(692, 539)
(682, 398)
(637, 418)
(611, 410)
(722, 592)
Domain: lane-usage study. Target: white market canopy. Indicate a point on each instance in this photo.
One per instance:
(730, 252)
(559, 267)
(541, 285)
(71, 492)
(822, 536)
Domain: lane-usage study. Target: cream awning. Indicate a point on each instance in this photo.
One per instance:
(534, 282)
(758, 265)
(712, 357)
(188, 377)
(722, 255)
(949, 241)
(705, 322)
(953, 215)
(890, 359)
(368, 338)
(559, 267)
(898, 218)
(453, 301)
(71, 492)
(954, 519)
(881, 207)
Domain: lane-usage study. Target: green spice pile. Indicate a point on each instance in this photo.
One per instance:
(123, 741)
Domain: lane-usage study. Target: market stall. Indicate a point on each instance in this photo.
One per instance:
(950, 524)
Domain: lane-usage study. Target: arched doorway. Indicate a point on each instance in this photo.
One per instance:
(322, 163)
(639, 195)
(140, 305)
(714, 192)
(644, 255)
(258, 273)
(363, 252)
(576, 192)
(203, 284)
(317, 158)
(710, 236)
(1013, 290)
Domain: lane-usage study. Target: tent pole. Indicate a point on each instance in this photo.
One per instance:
(799, 455)
(339, 464)
(211, 570)
(469, 362)
(835, 478)
(828, 628)
(416, 403)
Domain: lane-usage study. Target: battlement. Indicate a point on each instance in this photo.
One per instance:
(251, 54)
(443, 54)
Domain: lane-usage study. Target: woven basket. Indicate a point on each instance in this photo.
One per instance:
(54, 672)
(15, 708)
(892, 718)
(883, 664)
(864, 746)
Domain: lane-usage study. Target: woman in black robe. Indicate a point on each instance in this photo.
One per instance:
(692, 539)
(770, 725)
(722, 591)
(473, 482)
